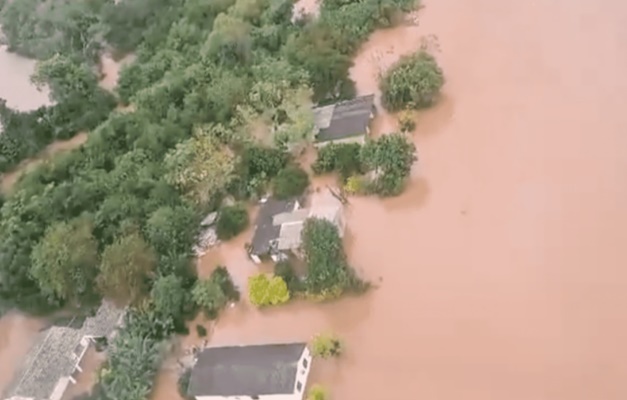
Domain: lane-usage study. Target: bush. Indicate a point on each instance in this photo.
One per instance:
(413, 82)
(326, 346)
(286, 271)
(264, 291)
(356, 185)
(183, 383)
(406, 122)
(290, 182)
(342, 158)
(390, 157)
(328, 272)
(208, 295)
(221, 276)
(317, 392)
(201, 331)
(232, 221)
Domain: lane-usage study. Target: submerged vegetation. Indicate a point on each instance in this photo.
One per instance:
(221, 90)
(387, 161)
(412, 82)
(326, 346)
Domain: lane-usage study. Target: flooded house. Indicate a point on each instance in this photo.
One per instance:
(280, 223)
(55, 360)
(344, 122)
(261, 372)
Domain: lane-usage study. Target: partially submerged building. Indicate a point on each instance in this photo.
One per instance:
(344, 122)
(261, 372)
(280, 223)
(54, 361)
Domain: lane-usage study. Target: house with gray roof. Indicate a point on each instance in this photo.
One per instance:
(52, 364)
(261, 372)
(266, 231)
(280, 224)
(344, 122)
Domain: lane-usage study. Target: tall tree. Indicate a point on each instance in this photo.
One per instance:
(65, 261)
(126, 267)
(200, 167)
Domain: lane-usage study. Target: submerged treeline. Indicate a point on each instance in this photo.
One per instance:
(221, 90)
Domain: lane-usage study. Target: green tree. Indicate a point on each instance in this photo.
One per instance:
(229, 41)
(413, 82)
(200, 167)
(328, 272)
(172, 229)
(231, 221)
(264, 291)
(391, 158)
(168, 295)
(290, 182)
(126, 267)
(65, 77)
(209, 296)
(341, 157)
(65, 261)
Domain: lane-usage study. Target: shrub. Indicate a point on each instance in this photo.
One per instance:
(328, 272)
(413, 82)
(221, 276)
(406, 122)
(208, 295)
(264, 291)
(183, 383)
(356, 185)
(339, 157)
(390, 157)
(285, 270)
(326, 346)
(317, 392)
(201, 331)
(290, 182)
(232, 221)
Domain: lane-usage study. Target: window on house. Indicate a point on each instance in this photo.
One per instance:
(299, 387)
(305, 363)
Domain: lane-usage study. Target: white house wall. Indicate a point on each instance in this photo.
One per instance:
(302, 373)
(353, 139)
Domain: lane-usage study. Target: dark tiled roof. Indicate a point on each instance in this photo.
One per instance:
(246, 370)
(56, 353)
(349, 118)
(265, 230)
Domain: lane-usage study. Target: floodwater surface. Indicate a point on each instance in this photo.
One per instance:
(501, 267)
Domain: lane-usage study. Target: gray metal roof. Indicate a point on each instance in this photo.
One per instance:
(345, 119)
(56, 354)
(246, 370)
(265, 230)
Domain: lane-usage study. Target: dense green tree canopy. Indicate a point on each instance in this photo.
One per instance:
(126, 267)
(65, 262)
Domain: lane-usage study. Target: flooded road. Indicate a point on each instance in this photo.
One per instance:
(502, 267)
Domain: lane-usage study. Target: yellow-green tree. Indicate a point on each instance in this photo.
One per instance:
(264, 291)
(200, 167)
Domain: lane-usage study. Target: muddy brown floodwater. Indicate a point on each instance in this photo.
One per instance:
(502, 271)
(502, 266)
